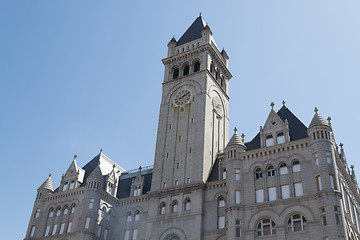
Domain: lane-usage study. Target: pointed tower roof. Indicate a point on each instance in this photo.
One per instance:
(235, 140)
(317, 120)
(47, 184)
(193, 32)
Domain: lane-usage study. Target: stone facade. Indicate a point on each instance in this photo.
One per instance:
(289, 182)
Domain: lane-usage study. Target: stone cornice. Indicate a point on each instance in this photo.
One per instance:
(65, 194)
(176, 190)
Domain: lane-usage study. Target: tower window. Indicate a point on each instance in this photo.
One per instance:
(221, 222)
(270, 171)
(65, 186)
(162, 208)
(176, 73)
(197, 66)
(137, 215)
(221, 202)
(269, 141)
(280, 138)
(237, 174)
(175, 206)
(224, 174)
(187, 205)
(186, 70)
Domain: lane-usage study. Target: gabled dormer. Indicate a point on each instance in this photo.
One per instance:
(137, 184)
(111, 181)
(73, 177)
(275, 130)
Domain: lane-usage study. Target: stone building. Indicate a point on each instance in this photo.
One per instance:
(289, 182)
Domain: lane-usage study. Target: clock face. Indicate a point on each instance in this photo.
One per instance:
(182, 97)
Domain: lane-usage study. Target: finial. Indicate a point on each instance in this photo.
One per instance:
(49, 174)
(235, 129)
(352, 167)
(316, 110)
(243, 137)
(283, 102)
(200, 15)
(114, 166)
(140, 168)
(341, 145)
(101, 150)
(75, 156)
(329, 119)
(272, 104)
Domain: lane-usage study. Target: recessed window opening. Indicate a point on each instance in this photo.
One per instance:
(258, 173)
(186, 70)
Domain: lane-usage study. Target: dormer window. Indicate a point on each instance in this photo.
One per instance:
(269, 141)
(72, 185)
(280, 138)
(65, 187)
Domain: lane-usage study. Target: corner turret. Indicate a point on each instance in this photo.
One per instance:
(45, 188)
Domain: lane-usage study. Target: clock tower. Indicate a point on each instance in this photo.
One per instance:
(193, 120)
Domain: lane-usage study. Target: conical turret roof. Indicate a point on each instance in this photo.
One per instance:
(47, 184)
(235, 140)
(317, 120)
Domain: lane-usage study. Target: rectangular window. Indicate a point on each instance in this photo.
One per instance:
(37, 213)
(91, 203)
(188, 180)
(332, 181)
(62, 228)
(99, 231)
(260, 195)
(72, 184)
(272, 194)
(269, 141)
(221, 222)
(285, 191)
(318, 183)
(316, 158)
(237, 196)
(105, 233)
(69, 227)
(298, 189)
(237, 174)
(338, 219)
(127, 235)
(237, 232)
(32, 232)
(324, 223)
(328, 158)
(135, 233)
(280, 138)
(54, 230)
(87, 222)
(47, 231)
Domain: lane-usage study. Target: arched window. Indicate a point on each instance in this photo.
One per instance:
(73, 207)
(58, 211)
(266, 227)
(173, 238)
(176, 73)
(296, 223)
(270, 171)
(211, 67)
(221, 202)
(162, 208)
(66, 210)
(187, 204)
(258, 173)
(51, 212)
(197, 66)
(186, 70)
(283, 169)
(128, 217)
(137, 215)
(296, 166)
(175, 206)
(108, 215)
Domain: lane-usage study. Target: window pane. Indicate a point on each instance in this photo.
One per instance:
(298, 190)
(259, 195)
(272, 194)
(237, 197)
(285, 192)
(221, 222)
(281, 139)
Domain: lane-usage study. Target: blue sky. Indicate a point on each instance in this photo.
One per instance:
(77, 76)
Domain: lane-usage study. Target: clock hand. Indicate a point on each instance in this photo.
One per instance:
(183, 95)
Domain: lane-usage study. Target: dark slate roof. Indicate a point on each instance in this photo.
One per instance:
(297, 129)
(89, 167)
(215, 171)
(193, 32)
(124, 185)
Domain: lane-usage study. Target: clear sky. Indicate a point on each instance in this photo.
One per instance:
(78, 76)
